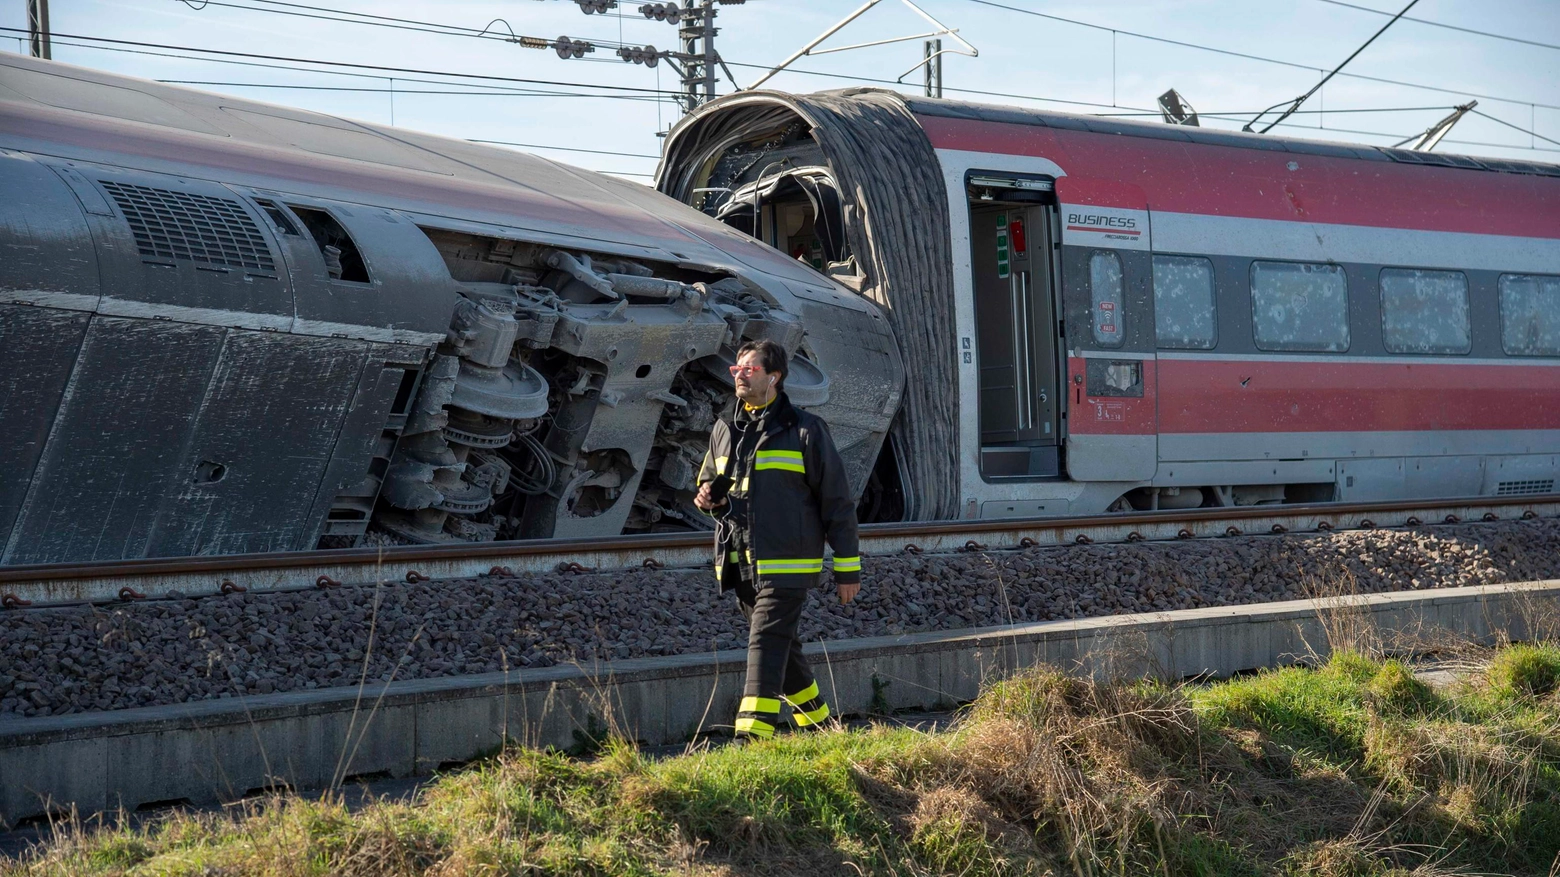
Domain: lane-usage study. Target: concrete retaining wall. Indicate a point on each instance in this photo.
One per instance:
(220, 750)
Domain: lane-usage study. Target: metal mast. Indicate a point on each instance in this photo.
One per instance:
(697, 31)
(933, 54)
(38, 28)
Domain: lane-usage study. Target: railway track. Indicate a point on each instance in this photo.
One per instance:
(45, 585)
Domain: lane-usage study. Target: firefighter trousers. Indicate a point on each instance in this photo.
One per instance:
(776, 668)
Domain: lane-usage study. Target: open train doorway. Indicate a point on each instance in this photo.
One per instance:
(1016, 330)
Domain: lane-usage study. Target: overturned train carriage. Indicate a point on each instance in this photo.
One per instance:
(1109, 315)
(227, 326)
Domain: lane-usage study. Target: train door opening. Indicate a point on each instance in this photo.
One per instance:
(1016, 330)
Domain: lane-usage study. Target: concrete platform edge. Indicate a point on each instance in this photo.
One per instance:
(220, 750)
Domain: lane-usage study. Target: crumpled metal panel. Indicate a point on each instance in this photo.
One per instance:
(896, 222)
(35, 365)
(117, 445)
(176, 439)
(266, 430)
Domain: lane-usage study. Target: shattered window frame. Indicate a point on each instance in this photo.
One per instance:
(1263, 303)
(1544, 286)
(1399, 325)
(1116, 337)
(1184, 340)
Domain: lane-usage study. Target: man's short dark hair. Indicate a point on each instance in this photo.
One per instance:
(771, 356)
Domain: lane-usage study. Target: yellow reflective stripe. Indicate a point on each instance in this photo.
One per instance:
(804, 695)
(810, 718)
(733, 556)
(847, 564)
(759, 705)
(755, 727)
(742, 486)
(720, 464)
(801, 565)
(780, 455)
(790, 461)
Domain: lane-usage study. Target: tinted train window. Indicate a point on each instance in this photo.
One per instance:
(1183, 302)
(1530, 314)
(1298, 306)
(1105, 281)
(1424, 311)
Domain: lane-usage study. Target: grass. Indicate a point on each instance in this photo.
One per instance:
(1353, 768)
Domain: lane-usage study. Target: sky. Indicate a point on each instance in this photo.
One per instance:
(1104, 57)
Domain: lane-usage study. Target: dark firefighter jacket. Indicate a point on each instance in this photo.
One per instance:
(796, 496)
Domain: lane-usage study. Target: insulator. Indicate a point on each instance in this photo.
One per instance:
(668, 12)
(567, 48)
(646, 55)
(592, 6)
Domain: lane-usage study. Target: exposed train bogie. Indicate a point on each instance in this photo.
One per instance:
(237, 344)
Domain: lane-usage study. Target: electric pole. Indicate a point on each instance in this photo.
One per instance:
(698, 52)
(38, 28)
(933, 55)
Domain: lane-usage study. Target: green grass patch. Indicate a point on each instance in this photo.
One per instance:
(1352, 768)
(1525, 671)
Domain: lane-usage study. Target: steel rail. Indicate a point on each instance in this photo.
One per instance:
(45, 585)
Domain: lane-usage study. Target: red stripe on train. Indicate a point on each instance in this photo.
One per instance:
(1275, 395)
(1102, 230)
(1257, 184)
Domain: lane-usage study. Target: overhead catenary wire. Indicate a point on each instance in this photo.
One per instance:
(1144, 111)
(1467, 30)
(1231, 118)
(1250, 57)
(318, 13)
(1515, 127)
(392, 90)
(460, 30)
(567, 148)
(357, 66)
(498, 89)
(1295, 105)
(232, 58)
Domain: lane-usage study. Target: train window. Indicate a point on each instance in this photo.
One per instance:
(1299, 306)
(1424, 311)
(1183, 302)
(1105, 282)
(1530, 314)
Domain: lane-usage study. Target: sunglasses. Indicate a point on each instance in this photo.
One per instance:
(744, 369)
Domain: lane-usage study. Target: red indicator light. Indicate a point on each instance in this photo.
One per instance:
(1016, 235)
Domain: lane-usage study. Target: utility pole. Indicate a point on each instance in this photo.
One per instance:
(933, 55)
(697, 60)
(698, 52)
(38, 28)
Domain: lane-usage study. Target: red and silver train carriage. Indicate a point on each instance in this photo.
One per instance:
(1112, 315)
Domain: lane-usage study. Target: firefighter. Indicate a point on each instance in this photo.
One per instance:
(777, 487)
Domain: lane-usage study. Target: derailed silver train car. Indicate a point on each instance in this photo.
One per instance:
(227, 326)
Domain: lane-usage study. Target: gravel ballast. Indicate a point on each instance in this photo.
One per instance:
(86, 658)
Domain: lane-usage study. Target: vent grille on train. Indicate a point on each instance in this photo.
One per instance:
(197, 228)
(1534, 485)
